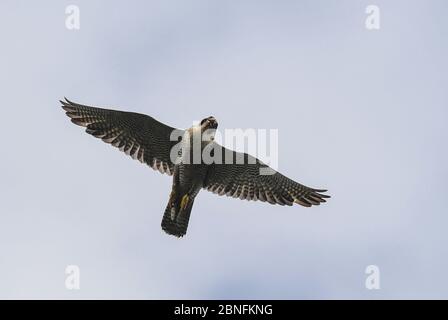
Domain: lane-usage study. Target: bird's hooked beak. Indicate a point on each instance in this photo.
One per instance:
(209, 123)
(208, 126)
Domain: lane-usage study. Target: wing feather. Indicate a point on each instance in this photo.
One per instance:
(244, 181)
(137, 135)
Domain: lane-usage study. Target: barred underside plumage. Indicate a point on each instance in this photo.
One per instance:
(244, 181)
(138, 135)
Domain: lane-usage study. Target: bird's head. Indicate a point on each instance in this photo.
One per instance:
(208, 128)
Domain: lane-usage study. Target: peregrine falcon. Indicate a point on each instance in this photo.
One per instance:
(151, 142)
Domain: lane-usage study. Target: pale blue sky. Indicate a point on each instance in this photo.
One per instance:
(362, 113)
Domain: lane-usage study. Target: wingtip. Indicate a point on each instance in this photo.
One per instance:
(320, 191)
(68, 101)
(67, 105)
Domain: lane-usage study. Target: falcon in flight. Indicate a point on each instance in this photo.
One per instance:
(151, 142)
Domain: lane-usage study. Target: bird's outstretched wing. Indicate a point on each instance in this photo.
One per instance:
(244, 181)
(138, 135)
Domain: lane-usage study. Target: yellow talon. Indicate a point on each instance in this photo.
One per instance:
(184, 202)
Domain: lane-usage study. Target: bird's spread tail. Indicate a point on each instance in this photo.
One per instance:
(176, 216)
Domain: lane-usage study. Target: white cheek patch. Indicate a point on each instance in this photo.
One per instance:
(208, 135)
